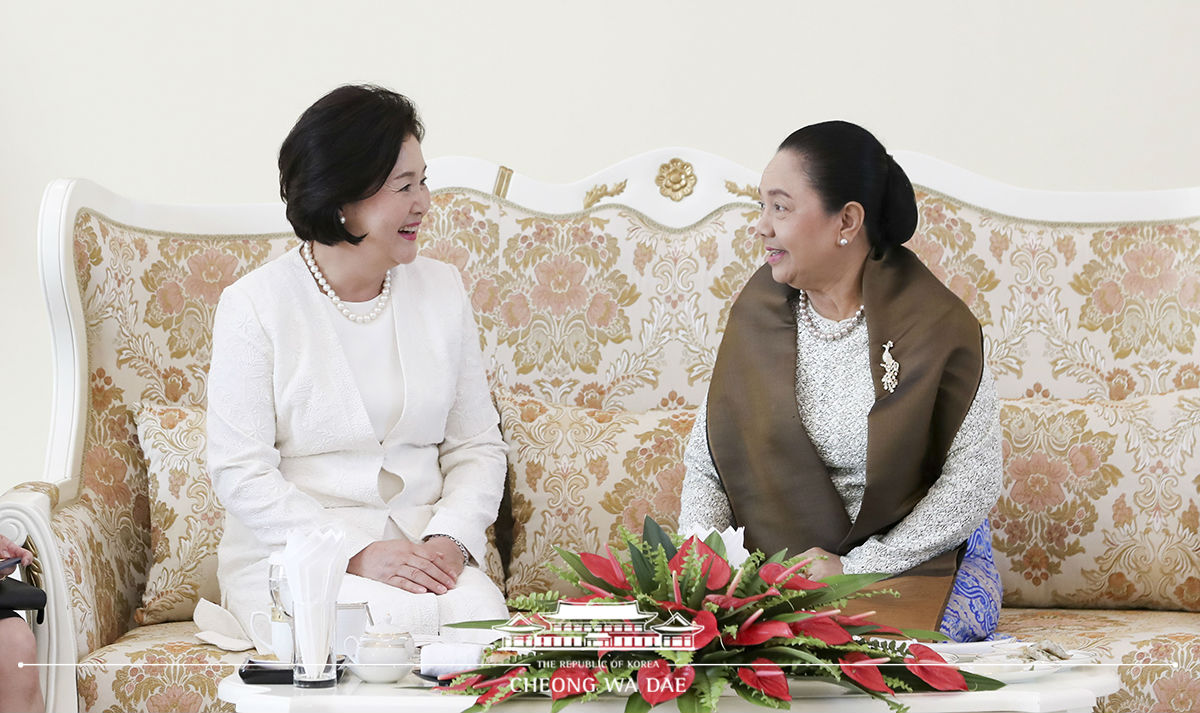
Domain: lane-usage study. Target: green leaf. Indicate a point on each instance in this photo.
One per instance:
(924, 634)
(780, 557)
(838, 587)
(654, 535)
(575, 562)
(976, 682)
(712, 681)
(689, 702)
(481, 624)
(642, 569)
(635, 703)
(715, 542)
(696, 596)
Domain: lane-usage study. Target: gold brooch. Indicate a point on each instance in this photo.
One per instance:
(891, 369)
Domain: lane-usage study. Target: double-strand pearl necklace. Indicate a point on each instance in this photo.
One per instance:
(384, 294)
(806, 317)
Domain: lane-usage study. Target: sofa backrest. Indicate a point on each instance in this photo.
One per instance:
(1091, 335)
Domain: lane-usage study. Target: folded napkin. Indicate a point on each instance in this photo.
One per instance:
(219, 628)
(443, 657)
(315, 563)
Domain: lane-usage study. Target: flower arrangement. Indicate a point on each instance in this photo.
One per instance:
(755, 621)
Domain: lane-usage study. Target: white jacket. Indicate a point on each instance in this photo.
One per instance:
(290, 444)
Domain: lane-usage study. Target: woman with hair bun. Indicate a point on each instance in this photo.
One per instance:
(851, 416)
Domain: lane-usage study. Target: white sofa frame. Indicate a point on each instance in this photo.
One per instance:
(25, 515)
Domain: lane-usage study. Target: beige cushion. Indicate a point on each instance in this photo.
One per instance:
(1154, 652)
(156, 668)
(1099, 503)
(577, 474)
(185, 517)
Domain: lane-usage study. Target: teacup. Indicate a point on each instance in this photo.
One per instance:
(277, 634)
(380, 657)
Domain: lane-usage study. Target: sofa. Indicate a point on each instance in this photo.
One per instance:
(600, 306)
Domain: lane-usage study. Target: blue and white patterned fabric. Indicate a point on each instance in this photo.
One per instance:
(973, 609)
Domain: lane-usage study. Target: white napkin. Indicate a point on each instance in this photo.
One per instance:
(315, 562)
(219, 628)
(442, 657)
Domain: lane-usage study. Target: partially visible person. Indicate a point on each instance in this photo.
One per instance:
(851, 416)
(347, 386)
(20, 689)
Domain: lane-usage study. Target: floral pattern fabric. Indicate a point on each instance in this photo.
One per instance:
(185, 516)
(1157, 654)
(161, 667)
(578, 475)
(1091, 331)
(1094, 512)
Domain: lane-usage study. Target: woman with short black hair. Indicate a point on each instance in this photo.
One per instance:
(347, 386)
(851, 416)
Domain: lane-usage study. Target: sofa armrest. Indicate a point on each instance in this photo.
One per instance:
(25, 517)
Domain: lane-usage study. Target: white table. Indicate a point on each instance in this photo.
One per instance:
(1073, 691)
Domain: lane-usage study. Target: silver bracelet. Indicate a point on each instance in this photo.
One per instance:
(461, 547)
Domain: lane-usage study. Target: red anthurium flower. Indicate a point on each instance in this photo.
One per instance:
(496, 693)
(822, 628)
(773, 572)
(718, 569)
(940, 675)
(571, 681)
(657, 682)
(727, 602)
(859, 667)
(706, 619)
(606, 569)
(765, 676)
(759, 632)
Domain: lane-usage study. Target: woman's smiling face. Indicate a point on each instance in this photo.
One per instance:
(800, 236)
(390, 217)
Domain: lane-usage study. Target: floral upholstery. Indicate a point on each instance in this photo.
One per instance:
(1091, 332)
(1158, 652)
(577, 475)
(185, 515)
(1088, 516)
(161, 667)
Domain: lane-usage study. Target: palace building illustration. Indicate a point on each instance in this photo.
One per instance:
(612, 626)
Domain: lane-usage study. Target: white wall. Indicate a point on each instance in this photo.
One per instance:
(175, 102)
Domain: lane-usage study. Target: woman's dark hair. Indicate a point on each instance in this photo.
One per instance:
(844, 162)
(342, 149)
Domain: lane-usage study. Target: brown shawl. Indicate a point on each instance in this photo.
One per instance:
(779, 487)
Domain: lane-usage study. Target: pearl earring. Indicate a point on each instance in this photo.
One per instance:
(342, 219)
(843, 242)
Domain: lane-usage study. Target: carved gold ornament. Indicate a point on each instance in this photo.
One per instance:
(503, 178)
(33, 573)
(676, 179)
(595, 193)
(746, 191)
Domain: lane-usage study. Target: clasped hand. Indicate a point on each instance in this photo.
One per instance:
(824, 563)
(417, 567)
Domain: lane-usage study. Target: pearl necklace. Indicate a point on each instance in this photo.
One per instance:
(384, 294)
(806, 311)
